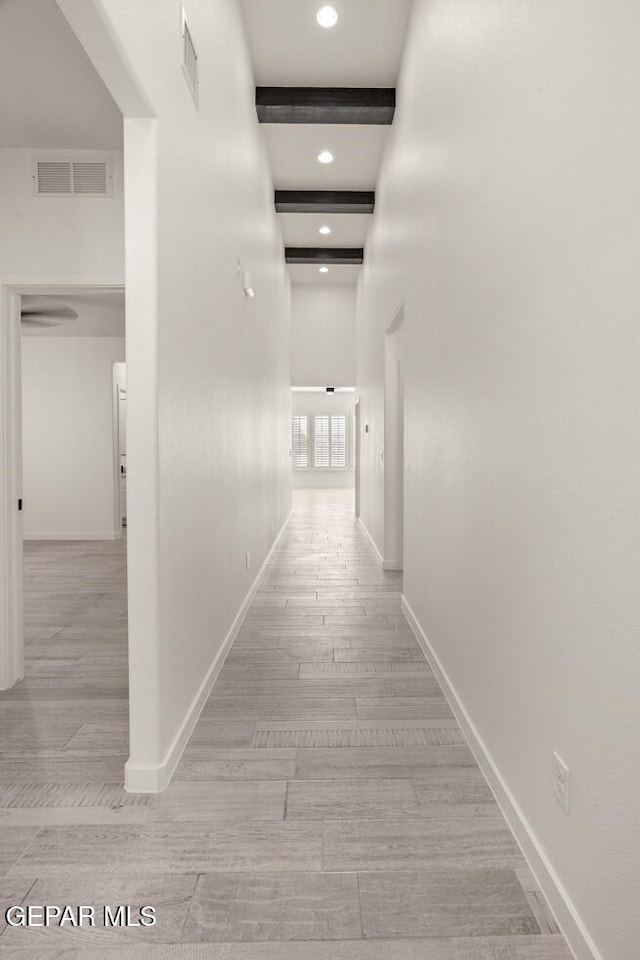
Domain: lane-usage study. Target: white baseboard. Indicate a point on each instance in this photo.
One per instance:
(154, 779)
(385, 564)
(371, 541)
(109, 535)
(567, 916)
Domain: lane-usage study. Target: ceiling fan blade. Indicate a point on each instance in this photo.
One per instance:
(52, 313)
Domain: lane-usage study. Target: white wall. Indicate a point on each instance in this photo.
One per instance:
(508, 222)
(68, 444)
(210, 364)
(58, 237)
(315, 404)
(323, 336)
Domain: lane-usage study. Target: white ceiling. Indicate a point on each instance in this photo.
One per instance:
(306, 275)
(347, 230)
(50, 94)
(288, 48)
(100, 314)
(293, 150)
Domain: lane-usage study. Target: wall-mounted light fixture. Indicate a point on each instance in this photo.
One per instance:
(246, 284)
(245, 277)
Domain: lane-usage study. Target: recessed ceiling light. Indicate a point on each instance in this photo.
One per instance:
(325, 231)
(327, 16)
(323, 270)
(325, 157)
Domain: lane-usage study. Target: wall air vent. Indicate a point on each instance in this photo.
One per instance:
(189, 60)
(53, 177)
(72, 178)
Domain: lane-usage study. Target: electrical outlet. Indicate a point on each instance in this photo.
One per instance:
(247, 561)
(561, 782)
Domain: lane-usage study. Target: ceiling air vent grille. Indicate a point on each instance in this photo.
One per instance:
(73, 178)
(189, 60)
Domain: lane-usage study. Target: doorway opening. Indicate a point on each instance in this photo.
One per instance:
(323, 438)
(69, 569)
(394, 443)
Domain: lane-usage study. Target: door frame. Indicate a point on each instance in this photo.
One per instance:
(11, 492)
(11, 602)
(394, 443)
(358, 448)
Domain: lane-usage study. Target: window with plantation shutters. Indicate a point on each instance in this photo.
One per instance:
(300, 443)
(321, 445)
(321, 442)
(339, 442)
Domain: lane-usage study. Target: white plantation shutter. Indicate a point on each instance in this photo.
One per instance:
(339, 442)
(300, 443)
(321, 453)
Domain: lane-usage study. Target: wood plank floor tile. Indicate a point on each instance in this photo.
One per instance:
(447, 797)
(350, 799)
(171, 896)
(215, 764)
(476, 948)
(167, 849)
(359, 670)
(330, 688)
(359, 733)
(13, 843)
(239, 907)
(326, 749)
(12, 893)
(445, 903)
(539, 906)
(371, 845)
(354, 763)
(259, 708)
(376, 708)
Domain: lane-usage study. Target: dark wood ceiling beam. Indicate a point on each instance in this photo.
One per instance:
(328, 255)
(359, 105)
(325, 201)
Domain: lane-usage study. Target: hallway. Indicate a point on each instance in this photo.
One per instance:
(327, 794)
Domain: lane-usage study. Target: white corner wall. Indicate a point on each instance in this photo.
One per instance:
(508, 222)
(69, 468)
(215, 377)
(323, 336)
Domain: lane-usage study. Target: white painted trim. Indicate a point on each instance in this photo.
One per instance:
(372, 542)
(140, 778)
(11, 601)
(105, 535)
(565, 912)
(385, 564)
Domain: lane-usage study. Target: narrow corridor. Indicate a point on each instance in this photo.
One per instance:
(327, 794)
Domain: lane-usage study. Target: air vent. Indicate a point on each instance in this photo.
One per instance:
(89, 178)
(189, 60)
(53, 178)
(73, 178)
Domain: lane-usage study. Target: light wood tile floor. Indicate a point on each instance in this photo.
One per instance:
(326, 808)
